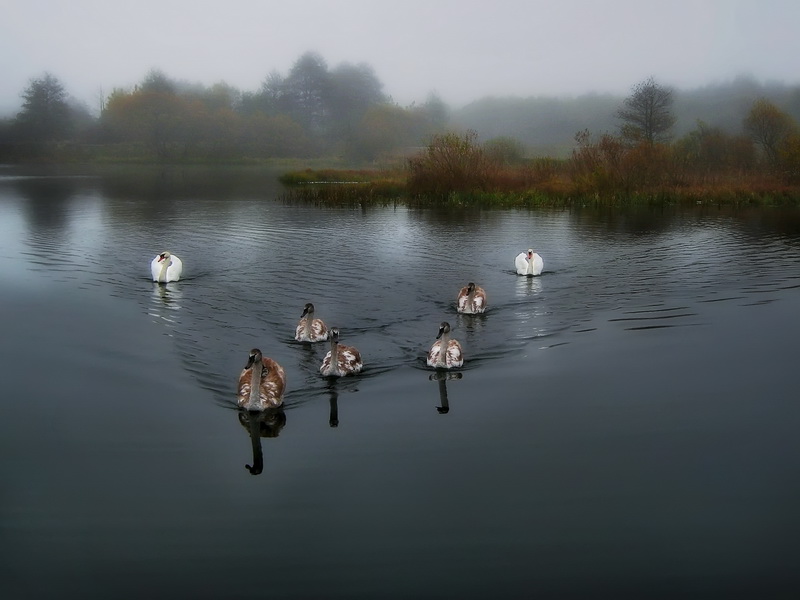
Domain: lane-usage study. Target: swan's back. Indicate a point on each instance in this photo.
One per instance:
(476, 303)
(310, 329)
(340, 360)
(445, 352)
(271, 386)
(453, 355)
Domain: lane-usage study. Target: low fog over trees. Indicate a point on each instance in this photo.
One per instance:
(315, 110)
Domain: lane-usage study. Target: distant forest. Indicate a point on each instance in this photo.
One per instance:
(314, 111)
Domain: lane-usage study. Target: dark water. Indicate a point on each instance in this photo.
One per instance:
(625, 425)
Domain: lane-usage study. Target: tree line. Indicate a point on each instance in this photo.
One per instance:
(314, 110)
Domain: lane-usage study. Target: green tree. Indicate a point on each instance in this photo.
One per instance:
(789, 156)
(157, 82)
(45, 114)
(150, 115)
(307, 89)
(383, 129)
(769, 127)
(647, 113)
(271, 99)
(710, 149)
(353, 90)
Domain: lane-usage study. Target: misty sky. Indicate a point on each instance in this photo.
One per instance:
(460, 49)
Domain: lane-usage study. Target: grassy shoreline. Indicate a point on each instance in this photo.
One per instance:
(349, 186)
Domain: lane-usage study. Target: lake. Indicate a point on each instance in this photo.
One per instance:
(624, 425)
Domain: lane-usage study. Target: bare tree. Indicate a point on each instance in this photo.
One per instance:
(647, 113)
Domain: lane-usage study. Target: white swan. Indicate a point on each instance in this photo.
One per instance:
(310, 329)
(445, 353)
(166, 267)
(528, 263)
(261, 383)
(340, 360)
(471, 299)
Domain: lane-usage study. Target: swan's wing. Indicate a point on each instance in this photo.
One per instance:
(155, 268)
(521, 264)
(298, 332)
(462, 300)
(455, 358)
(275, 381)
(349, 359)
(319, 331)
(175, 269)
(433, 353)
(244, 387)
(480, 300)
(326, 364)
(538, 264)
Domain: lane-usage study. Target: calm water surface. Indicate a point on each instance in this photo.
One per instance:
(624, 424)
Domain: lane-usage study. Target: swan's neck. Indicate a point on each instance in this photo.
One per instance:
(530, 265)
(309, 323)
(162, 275)
(334, 355)
(255, 386)
(444, 343)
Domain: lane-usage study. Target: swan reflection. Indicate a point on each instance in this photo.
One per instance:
(443, 377)
(334, 386)
(472, 324)
(166, 302)
(529, 286)
(333, 415)
(263, 424)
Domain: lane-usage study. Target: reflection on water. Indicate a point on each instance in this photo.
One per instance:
(262, 424)
(333, 401)
(442, 377)
(166, 303)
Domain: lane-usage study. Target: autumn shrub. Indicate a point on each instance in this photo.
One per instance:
(596, 166)
(451, 163)
(506, 151)
(789, 158)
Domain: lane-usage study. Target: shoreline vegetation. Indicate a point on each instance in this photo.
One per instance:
(338, 138)
(456, 171)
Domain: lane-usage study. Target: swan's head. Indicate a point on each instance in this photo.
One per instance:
(470, 287)
(333, 334)
(530, 253)
(308, 309)
(443, 328)
(255, 356)
(163, 256)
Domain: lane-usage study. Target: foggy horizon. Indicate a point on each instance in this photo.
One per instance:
(461, 51)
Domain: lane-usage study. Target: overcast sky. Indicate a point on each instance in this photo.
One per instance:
(460, 49)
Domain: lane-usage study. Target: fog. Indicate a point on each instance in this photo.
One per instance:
(461, 50)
